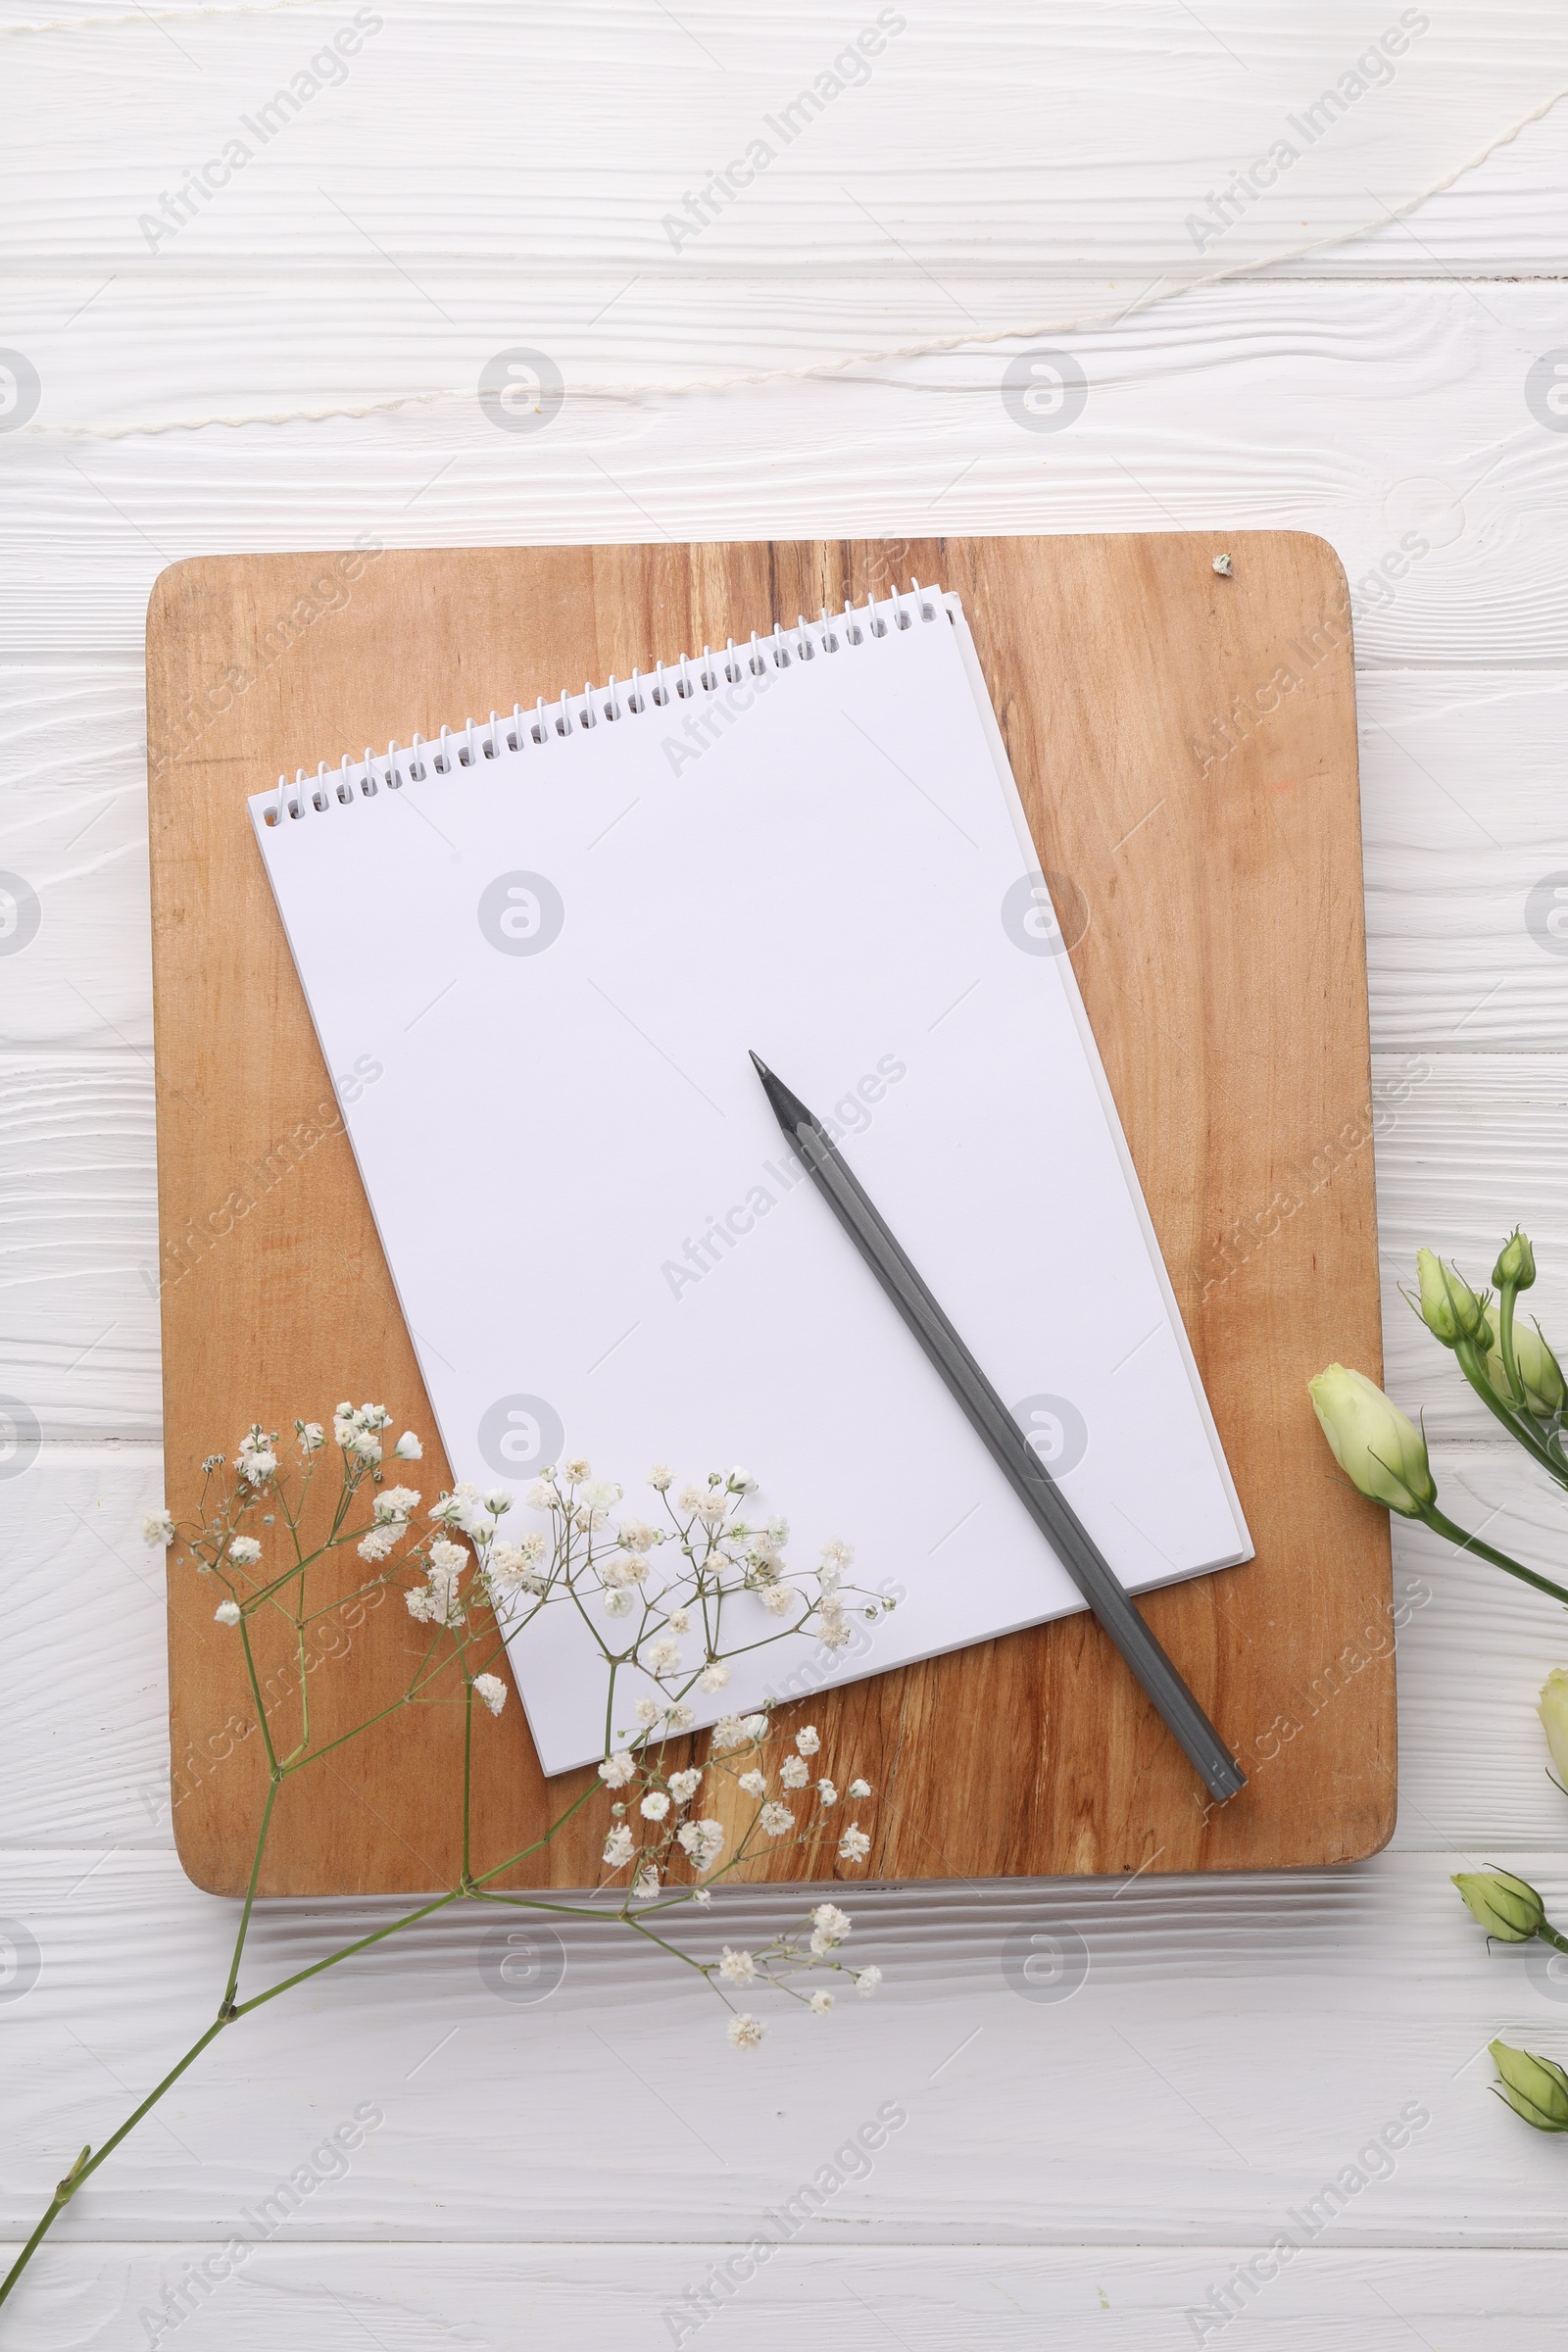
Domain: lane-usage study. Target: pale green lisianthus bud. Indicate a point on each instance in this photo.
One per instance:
(1506, 1907)
(1534, 2088)
(1539, 1369)
(1516, 1262)
(1552, 1708)
(1450, 1307)
(1381, 1453)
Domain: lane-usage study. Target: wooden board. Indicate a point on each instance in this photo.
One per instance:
(1185, 745)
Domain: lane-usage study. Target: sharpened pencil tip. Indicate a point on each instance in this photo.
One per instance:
(758, 1064)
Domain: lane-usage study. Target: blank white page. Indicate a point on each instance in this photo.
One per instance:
(555, 959)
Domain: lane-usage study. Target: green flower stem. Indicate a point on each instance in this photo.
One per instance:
(1547, 1934)
(1442, 1525)
(1509, 1293)
(1515, 1423)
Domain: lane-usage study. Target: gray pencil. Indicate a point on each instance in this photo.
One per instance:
(1051, 1512)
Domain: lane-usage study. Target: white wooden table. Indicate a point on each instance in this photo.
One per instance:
(293, 365)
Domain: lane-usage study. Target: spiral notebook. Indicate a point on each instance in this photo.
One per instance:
(537, 951)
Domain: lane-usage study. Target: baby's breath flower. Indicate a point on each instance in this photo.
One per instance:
(776, 1819)
(619, 1846)
(830, 1925)
(599, 1494)
(714, 1676)
(244, 1550)
(866, 1981)
(366, 1445)
(826, 1793)
(616, 1770)
(312, 1436)
(408, 1447)
(836, 1553)
(158, 1528)
(683, 1785)
(794, 1772)
(395, 1503)
(655, 1806)
(541, 1495)
(646, 1710)
(617, 1603)
(680, 1621)
(512, 1566)
(255, 1463)
(227, 1612)
(745, 2030)
(691, 1498)
(646, 1882)
(680, 1718)
(498, 1502)
(860, 1787)
(660, 1476)
(637, 1536)
(780, 1600)
(777, 1531)
(575, 1468)
(729, 1732)
(663, 1657)
(808, 1739)
(378, 1542)
(833, 1633)
(855, 1845)
(702, 1840)
(492, 1690)
(820, 2003)
(753, 1783)
(736, 1968)
(741, 1482)
(756, 1726)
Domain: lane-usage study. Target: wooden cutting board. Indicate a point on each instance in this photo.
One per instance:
(1185, 743)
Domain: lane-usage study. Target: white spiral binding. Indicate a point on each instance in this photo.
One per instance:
(681, 681)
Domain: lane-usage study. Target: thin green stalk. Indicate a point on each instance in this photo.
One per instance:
(1513, 1422)
(1516, 1387)
(1441, 1524)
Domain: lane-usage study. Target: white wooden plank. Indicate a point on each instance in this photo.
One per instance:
(1232, 2045)
(339, 2298)
(1386, 419)
(997, 139)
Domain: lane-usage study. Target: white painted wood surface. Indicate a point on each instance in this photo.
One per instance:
(488, 176)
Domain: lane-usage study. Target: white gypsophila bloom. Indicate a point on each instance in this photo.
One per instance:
(409, 1448)
(808, 1739)
(646, 1882)
(714, 1676)
(826, 1793)
(794, 1772)
(683, 1785)
(227, 1612)
(541, 1495)
(312, 1436)
(703, 1841)
(498, 1502)
(534, 1547)
(365, 1446)
(741, 1482)
(492, 1690)
(375, 1416)
(756, 1726)
(396, 1502)
(820, 2003)
(745, 2031)
(830, 1922)
(599, 1494)
(860, 1787)
(855, 1845)
(637, 1535)
(257, 1468)
(780, 1600)
(655, 1806)
(616, 1770)
(729, 1732)
(827, 1583)
(378, 1542)
(753, 1783)
(617, 1603)
(646, 1710)
(619, 1846)
(448, 1558)
(866, 1981)
(702, 1895)
(510, 1566)
(776, 1819)
(661, 1657)
(737, 1967)
(344, 1421)
(711, 1507)
(158, 1528)
(575, 1468)
(837, 1554)
(679, 1621)
(834, 1634)
(660, 1476)
(244, 1551)
(691, 1498)
(681, 1718)
(777, 1531)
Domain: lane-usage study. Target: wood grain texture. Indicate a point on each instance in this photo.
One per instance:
(1223, 899)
